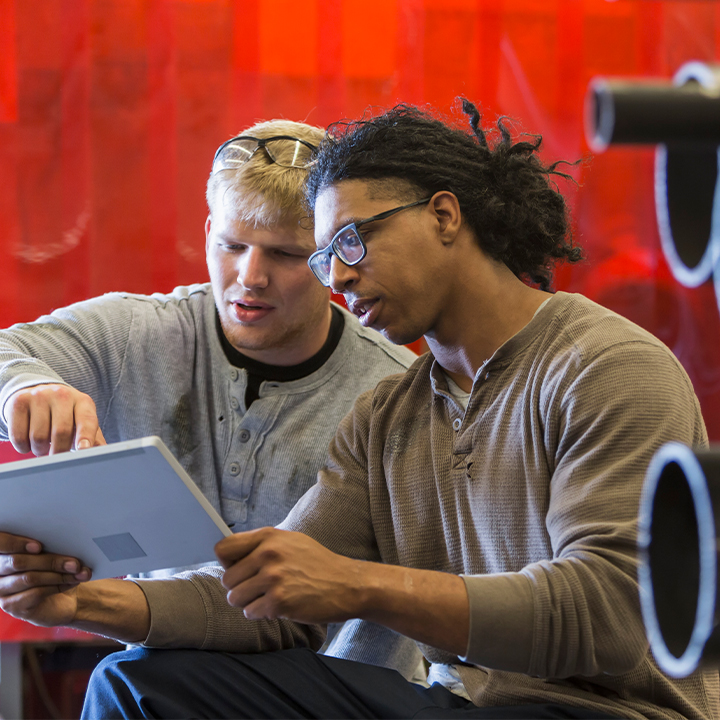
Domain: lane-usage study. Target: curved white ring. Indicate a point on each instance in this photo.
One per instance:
(704, 616)
(685, 275)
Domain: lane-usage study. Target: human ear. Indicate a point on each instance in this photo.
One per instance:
(448, 216)
(208, 224)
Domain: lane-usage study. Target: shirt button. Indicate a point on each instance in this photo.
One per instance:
(457, 422)
(244, 435)
(234, 374)
(234, 404)
(487, 375)
(234, 468)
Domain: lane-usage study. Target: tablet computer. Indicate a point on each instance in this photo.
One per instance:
(123, 509)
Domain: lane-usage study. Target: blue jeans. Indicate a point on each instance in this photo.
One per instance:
(298, 683)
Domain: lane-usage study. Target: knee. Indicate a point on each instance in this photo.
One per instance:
(111, 684)
(116, 665)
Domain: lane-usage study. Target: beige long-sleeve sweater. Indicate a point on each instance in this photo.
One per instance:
(532, 494)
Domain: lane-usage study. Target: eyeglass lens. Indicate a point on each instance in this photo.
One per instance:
(286, 153)
(320, 265)
(347, 245)
(234, 154)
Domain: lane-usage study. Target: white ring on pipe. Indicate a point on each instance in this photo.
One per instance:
(709, 78)
(705, 611)
(685, 275)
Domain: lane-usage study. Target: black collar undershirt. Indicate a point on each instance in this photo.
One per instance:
(258, 372)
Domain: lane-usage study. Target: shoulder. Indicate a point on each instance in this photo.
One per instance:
(190, 296)
(184, 313)
(581, 320)
(581, 332)
(599, 360)
(186, 304)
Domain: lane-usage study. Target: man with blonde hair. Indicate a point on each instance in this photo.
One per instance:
(245, 378)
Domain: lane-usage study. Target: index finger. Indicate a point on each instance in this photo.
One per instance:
(235, 547)
(14, 544)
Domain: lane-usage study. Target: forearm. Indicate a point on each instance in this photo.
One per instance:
(279, 574)
(430, 607)
(82, 346)
(486, 620)
(114, 608)
(191, 610)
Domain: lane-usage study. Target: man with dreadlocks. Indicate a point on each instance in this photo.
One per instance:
(483, 504)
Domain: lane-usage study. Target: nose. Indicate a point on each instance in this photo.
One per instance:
(342, 276)
(252, 269)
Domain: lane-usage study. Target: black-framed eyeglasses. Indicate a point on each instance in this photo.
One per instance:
(285, 150)
(348, 244)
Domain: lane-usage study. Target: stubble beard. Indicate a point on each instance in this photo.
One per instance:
(279, 338)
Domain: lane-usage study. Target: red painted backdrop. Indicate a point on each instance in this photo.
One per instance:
(110, 111)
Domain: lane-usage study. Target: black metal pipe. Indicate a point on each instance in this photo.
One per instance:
(678, 544)
(682, 118)
(650, 112)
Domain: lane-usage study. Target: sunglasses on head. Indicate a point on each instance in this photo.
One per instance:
(284, 150)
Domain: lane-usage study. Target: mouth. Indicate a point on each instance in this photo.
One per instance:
(248, 311)
(364, 309)
(251, 305)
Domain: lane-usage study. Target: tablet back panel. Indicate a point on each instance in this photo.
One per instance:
(124, 508)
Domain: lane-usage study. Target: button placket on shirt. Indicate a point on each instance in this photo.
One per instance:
(463, 442)
(249, 428)
(460, 449)
(236, 461)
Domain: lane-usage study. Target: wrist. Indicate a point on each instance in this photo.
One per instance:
(115, 608)
(378, 590)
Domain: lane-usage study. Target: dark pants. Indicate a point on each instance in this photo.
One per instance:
(143, 683)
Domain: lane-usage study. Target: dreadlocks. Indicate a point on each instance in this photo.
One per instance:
(505, 192)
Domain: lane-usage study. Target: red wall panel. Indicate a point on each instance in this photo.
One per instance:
(110, 111)
(8, 63)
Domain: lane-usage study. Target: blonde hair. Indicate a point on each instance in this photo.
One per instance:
(260, 192)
